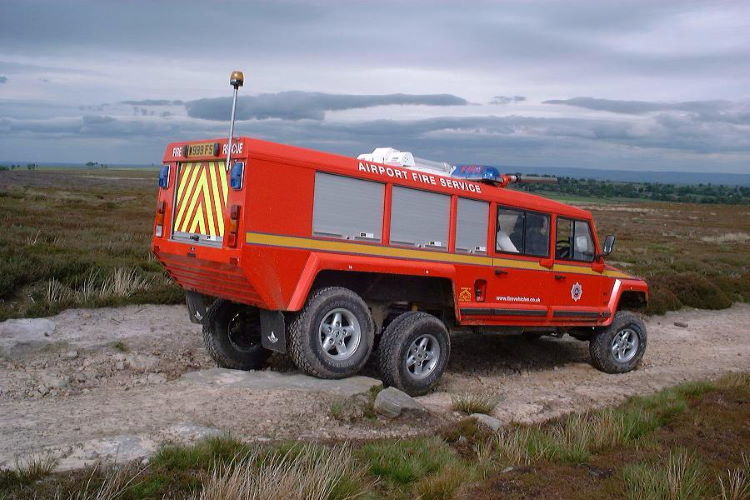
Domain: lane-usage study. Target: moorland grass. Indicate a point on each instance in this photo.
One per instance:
(72, 241)
(69, 235)
(634, 439)
(474, 403)
(680, 476)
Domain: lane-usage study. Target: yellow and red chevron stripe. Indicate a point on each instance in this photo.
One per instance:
(201, 198)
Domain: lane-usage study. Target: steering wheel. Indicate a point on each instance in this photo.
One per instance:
(562, 249)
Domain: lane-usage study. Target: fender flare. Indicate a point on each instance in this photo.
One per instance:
(318, 262)
(620, 286)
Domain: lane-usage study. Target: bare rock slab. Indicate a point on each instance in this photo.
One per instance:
(391, 402)
(269, 380)
(124, 448)
(19, 335)
(487, 421)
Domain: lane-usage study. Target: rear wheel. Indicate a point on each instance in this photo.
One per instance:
(413, 352)
(333, 335)
(231, 333)
(619, 347)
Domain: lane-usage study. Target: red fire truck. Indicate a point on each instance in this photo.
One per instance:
(330, 258)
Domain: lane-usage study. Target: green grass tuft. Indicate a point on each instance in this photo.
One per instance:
(405, 461)
(474, 403)
(679, 477)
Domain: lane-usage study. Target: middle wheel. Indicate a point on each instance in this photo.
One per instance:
(332, 336)
(413, 352)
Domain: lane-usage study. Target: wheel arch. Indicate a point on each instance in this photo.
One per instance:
(627, 295)
(386, 287)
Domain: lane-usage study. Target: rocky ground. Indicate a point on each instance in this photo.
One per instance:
(117, 382)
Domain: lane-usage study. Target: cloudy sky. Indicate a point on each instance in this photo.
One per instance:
(652, 85)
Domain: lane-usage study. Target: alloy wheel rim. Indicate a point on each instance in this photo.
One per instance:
(339, 334)
(422, 356)
(625, 345)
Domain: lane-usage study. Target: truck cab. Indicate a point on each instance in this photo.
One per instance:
(317, 255)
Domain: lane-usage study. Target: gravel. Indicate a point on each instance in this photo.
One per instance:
(74, 390)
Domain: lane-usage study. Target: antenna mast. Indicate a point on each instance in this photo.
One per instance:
(235, 80)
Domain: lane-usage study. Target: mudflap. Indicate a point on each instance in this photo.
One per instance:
(273, 330)
(196, 304)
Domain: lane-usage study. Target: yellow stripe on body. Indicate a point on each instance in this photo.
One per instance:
(198, 223)
(190, 214)
(206, 205)
(217, 200)
(187, 180)
(358, 248)
(179, 221)
(384, 251)
(224, 182)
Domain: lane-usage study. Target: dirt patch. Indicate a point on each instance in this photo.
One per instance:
(107, 373)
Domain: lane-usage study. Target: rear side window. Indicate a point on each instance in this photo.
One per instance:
(522, 232)
(348, 208)
(574, 241)
(419, 218)
(471, 226)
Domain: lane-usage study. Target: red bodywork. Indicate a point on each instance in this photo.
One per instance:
(277, 258)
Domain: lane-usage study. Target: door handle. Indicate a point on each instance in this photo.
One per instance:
(500, 272)
(560, 277)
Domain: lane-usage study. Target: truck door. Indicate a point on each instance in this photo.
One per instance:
(577, 282)
(519, 288)
(200, 202)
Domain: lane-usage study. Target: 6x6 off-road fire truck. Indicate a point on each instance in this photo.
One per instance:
(332, 259)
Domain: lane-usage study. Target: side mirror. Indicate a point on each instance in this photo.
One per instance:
(609, 244)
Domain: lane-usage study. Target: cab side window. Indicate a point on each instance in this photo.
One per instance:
(574, 241)
(509, 230)
(522, 232)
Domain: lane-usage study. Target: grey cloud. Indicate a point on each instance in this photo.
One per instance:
(92, 126)
(697, 111)
(504, 99)
(297, 105)
(641, 107)
(490, 139)
(3, 79)
(20, 68)
(666, 132)
(572, 37)
(154, 102)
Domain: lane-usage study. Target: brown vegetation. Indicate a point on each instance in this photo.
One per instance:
(81, 238)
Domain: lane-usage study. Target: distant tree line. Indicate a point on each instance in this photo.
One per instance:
(29, 166)
(95, 164)
(688, 193)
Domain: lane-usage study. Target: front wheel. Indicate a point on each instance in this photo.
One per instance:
(231, 333)
(619, 347)
(413, 352)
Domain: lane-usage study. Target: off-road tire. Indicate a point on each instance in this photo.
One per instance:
(600, 345)
(304, 346)
(394, 347)
(216, 336)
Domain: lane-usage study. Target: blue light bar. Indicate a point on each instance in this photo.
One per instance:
(477, 173)
(235, 176)
(164, 177)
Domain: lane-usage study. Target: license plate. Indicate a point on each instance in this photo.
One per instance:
(203, 149)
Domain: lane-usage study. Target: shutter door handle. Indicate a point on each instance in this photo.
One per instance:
(560, 277)
(500, 272)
